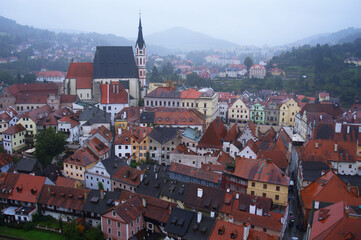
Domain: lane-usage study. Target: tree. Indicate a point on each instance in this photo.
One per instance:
(167, 68)
(248, 62)
(100, 186)
(48, 144)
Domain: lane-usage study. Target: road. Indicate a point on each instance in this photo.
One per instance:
(294, 230)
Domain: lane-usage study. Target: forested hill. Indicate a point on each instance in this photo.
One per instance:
(322, 68)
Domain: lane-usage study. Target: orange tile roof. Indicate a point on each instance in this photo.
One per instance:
(14, 129)
(169, 116)
(51, 74)
(190, 94)
(27, 188)
(260, 170)
(82, 157)
(5, 159)
(65, 182)
(33, 88)
(213, 136)
(128, 175)
(113, 94)
(68, 98)
(103, 131)
(5, 116)
(330, 219)
(130, 210)
(224, 158)
(232, 134)
(80, 70)
(139, 133)
(328, 188)
(98, 146)
(182, 149)
(72, 122)
(123, 139)
(7, 184)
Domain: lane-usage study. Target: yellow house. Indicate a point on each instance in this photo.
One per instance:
(238, 112)
(3, 123)
(76, 165)
(288, 111)
(139, 143)
(264, 179)
(14, 138)
(204, 100)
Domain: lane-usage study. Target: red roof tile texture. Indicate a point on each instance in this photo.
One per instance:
(194, 172)
(27, 188)
(213, 136)
(82, 157)
(14, 129)
(131, 209)
(113, 94)
(128, 175)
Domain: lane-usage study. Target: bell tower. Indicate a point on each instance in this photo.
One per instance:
(140, 56)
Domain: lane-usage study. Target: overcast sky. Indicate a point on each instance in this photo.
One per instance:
(256, 22)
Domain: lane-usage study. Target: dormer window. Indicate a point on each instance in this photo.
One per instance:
(113, 213)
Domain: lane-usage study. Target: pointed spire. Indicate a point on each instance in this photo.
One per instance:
(140, 41)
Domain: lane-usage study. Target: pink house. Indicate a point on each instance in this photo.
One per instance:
(124, 220)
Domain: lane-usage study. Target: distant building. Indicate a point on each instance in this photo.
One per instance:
(50, 76)
(257, 71)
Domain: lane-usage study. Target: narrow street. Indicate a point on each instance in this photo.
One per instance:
(294, 228)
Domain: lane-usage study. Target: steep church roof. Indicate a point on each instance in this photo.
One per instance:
(114, 62)
(140, 41)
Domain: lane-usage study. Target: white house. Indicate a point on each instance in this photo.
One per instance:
(70, 127)
(122, 144)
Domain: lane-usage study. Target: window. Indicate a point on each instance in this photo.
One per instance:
(119, 234)
(252, 192)
(138, 219)
(109, 230)
(132, 223)
(109, 221)
(277, 197)
(264, 195)
(277, 188)
(264, 229)
(114, 214)
(253, 184)
(118, 224)
(264, 186)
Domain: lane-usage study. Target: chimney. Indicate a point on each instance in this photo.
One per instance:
(259, 211)
(116, 203)
(316, 145)
(252, 209)
(335, 147)
(85, 195)
(321, 117)
(228, 190)
(212, 214)
(119, 131)
(317, 205)
(156, 176)
(141, 177)
(348, 129)
(348, 187)
(199, 217)
(101, 194)
(347, 209)
(246, 231)
(144, 202)
(199, 192)
(237, 195)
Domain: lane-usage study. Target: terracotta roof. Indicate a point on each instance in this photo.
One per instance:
(64, 197)
(7, 184)
(330, 109)
(324, 151)
(27, 188)
(123, 139)
(113, 94)
(34, 88)
(139, 133)
(84, 82)
(68, 98)
(232, 134)
(157, 209)
(182, 149)
(330, 219)
(65, 182)
(213, 136)
(191, 94)
(5, 116)
(224, 158)
(37, 114)
(130, 210)
(178, 116)
(80, 70)
(72, 122)
(252, 145)
(328, 188)
(82, 157)
(213, 167)
(128, 175)
(260, 170)
(98, 146)
(46, 74)
(131, 114)
(14, 129)
(5, 159)
(194, 172)
(104, 132)
(49, 120)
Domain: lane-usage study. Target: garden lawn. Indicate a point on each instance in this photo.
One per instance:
(32, 234)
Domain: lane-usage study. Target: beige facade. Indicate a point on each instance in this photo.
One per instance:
(278, 193)
(76, 171)
(288, 112)
(238, 112)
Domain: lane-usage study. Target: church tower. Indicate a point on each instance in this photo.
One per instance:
(140, 56)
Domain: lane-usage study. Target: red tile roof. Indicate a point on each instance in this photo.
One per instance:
(128, 175)
(47, 74)
(72, 122)
(190, 94)
(64, 197)
(65, 182)
(178, 116)
(329, 219)
(83, 73)
(130, 210)
(113, 94)
(123, 139)
(37, 114)
(7, 184)
(328, 188)
(182, 149)
(98, 146)
(34, 88)
(139, 133)
(213, 136)
(14, 129)
(27, 188)
(82, 157)
(104, 132)
(260, 170)
(84, 83)
(68, 98)
(5, 159)
(5, 116)
(157, 209)
(232, 134)
(330, 109)
(194, 172)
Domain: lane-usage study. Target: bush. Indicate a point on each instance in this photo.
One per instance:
(28, 226)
